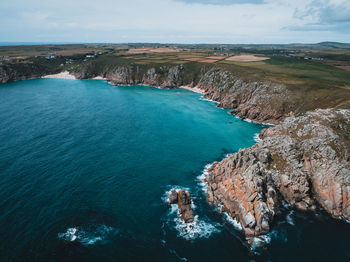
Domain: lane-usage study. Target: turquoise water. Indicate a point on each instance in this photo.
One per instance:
(85, 167)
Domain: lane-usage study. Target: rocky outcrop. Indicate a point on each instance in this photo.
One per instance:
(258, 101)
(162, 76)
(183, 199)
(28, 69)
(9, 73)
(305, 162)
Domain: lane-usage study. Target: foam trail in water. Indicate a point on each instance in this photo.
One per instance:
(206, 99)
(289, 218)
(189, 231)
(165, 197)
(257, 139)
(233, 221)
(201, 178)
(88, 235)
(196, 229)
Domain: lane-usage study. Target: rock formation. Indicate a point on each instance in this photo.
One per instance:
(304, 162)
(183, 199)
(258, 101)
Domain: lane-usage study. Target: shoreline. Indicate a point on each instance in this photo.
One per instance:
(193, 89)
(62, 75)
(196, 89)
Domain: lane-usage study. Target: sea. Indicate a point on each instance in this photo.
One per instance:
(86, 168)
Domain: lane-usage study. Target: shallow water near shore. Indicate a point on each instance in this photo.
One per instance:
(85, 168)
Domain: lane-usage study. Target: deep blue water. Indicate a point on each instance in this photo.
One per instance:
(85, 167)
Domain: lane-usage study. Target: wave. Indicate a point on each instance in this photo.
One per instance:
(201, 178)
(257, 139)
(88, 235)
(289, 218)
(206, 99)
(199, 228)
(233, 221)
(166, 195)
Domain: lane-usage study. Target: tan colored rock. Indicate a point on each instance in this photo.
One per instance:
(303, 153)
(183, 199)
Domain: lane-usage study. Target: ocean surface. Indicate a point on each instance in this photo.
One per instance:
(85, 168)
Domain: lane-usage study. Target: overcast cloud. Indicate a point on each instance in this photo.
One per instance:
(175, 21)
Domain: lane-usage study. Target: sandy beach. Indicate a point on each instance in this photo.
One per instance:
(193, 89)
(62, 75)
(99, 78)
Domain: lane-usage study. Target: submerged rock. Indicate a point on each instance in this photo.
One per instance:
(183, 200)
(303, 161)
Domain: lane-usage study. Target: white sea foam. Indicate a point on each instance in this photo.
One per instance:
(344, 219)
(233, 221)
(201, 178)
(88, 235)
(256, 243)
(206, 99)
(167, 193)
(197, 229)
(189, 231)
(257, 138)
(255, 122)
(289, 218)
(285, 204)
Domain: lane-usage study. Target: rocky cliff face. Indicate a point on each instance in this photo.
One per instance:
(259, 101)
(163, 76)
(304, 162)
(8, 74)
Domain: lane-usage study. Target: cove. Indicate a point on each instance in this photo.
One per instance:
(85, 167)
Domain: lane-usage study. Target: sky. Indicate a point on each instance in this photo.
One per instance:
(175, 21)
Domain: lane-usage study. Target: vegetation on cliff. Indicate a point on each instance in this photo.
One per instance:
(304, 161)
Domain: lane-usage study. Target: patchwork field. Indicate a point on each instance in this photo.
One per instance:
(247, 58)
(318, 75)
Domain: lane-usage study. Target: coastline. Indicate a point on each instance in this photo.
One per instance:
(193, 89)
(196, 89)
(62, 75)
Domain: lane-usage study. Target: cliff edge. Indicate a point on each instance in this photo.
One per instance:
(304, 162)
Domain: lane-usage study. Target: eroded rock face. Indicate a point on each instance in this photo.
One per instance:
(183, 200)
(258, 101)
(302, 161)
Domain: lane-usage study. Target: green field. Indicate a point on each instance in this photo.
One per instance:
(311, 72)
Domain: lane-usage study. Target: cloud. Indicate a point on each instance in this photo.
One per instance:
(222, 2)
(173, 21)
(323, 15)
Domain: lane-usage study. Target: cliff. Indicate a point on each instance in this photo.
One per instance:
(251, 100)
(33, 68)
(258, 101)
(304, 162)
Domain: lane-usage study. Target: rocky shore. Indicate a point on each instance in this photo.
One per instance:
(251, 100)
(303, 162)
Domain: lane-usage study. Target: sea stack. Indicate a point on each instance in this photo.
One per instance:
(183, 199)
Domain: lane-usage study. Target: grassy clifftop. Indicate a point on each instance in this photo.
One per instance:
(315, 76)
